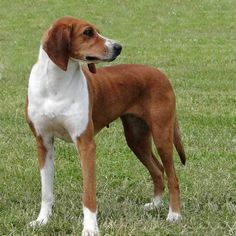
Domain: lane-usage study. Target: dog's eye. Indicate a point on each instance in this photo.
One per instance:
(89, 32)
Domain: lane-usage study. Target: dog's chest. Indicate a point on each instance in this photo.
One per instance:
(58, 103)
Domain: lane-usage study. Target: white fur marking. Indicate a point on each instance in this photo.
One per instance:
(47, 175)
(58, 100)
(90, 223)
(173, 216)
(110, 46)
(58, 106)
(155, 204)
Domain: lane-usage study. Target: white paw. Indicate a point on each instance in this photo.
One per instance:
(90, 223)
(90, 232)
(149, 206)
(173, 216)
(154, 205)
(39, 222)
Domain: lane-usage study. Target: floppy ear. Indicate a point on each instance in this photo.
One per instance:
(57, 44)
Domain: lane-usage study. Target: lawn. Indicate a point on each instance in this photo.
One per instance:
(194, 43)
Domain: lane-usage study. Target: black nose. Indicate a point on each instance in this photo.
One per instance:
(117, 48)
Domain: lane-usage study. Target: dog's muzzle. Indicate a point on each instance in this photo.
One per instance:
(116, 50)
(113, 50)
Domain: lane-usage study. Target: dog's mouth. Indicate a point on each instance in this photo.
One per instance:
(92, 58)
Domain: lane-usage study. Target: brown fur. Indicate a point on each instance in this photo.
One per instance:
(144, 99)
(140, 95)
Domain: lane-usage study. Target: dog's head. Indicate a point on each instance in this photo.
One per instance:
(77, 39)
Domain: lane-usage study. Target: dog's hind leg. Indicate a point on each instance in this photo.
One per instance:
(138, 137)
(163, 139)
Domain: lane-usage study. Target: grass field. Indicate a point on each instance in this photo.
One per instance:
(194, 43)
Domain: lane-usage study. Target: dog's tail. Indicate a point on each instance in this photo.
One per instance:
(178, 142)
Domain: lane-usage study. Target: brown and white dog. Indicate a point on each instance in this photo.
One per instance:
(74, 103)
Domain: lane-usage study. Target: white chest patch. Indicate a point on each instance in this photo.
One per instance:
(58, 100)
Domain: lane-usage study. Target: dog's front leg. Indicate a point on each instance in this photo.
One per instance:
(87, 149)
(46, 163)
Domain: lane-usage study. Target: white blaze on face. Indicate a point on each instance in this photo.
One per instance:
(110, 47)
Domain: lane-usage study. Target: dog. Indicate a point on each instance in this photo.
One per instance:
(74, 103)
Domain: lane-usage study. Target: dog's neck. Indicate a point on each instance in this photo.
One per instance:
(54, 79)
(51, 67)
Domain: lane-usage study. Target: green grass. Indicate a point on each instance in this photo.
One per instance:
(193, 42)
